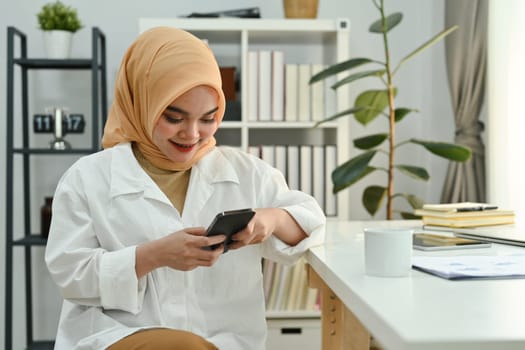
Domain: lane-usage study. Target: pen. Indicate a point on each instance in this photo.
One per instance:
(478, 208)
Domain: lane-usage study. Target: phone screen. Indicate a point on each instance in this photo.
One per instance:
(428, 241)
(228, 223)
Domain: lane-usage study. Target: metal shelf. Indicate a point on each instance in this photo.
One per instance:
(97, 65)
(30, 240)
(41, 345)
(53, 152)
(43, 63)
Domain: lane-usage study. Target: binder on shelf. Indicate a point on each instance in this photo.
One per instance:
(296, 286)
(318, 94)
(268, 154)
(330, 165)
(318, 174)
(305, 159)
(291, 86)
(272, 298)
(280, 159)
(253, 85)
(303, 91)
(292, 168)
(277, 109)
(265, 85)
(283, 288)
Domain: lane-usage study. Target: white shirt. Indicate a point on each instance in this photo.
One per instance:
(105, 205)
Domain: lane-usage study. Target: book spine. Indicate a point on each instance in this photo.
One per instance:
(253, 85)
(277, 86)
(265, 85)
(291, 85)
(304, 110)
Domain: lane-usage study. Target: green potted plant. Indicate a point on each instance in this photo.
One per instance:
(59, 22)
(381, 102)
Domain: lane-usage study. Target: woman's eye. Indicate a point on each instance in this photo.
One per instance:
(208, 121)
(172, 120)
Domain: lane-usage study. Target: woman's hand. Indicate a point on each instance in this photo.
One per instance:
(267, 222)
(181, 250)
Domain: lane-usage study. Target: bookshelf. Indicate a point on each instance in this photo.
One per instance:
(299, 44)
(302, 41)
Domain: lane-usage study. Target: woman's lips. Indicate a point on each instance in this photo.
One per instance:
(183, 147)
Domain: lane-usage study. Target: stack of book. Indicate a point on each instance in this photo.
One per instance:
(286, 288)
(464, 214)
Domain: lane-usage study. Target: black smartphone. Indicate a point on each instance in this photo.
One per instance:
(228, 223)
(428, 241)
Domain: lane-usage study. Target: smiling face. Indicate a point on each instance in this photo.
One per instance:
(187, 123)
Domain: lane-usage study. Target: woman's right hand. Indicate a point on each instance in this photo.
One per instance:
(181, 250)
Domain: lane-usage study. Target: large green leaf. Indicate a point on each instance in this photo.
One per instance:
(414, 201)
(339, 115)
(373, 197)
(449, 151)
(370, 141)
(373, 103)
(339, 67)
(409, 216)
(338, 186)
(427, 44)
(400, 113)
(348, 173)
(357, 76)
(391, 21)
(414, 172)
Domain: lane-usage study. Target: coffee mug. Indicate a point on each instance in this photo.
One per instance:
(388, 251)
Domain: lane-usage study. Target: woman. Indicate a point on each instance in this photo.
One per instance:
(128, 231)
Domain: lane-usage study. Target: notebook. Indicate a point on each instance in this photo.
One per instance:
(504, 234)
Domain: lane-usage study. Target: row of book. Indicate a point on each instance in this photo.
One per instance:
(286, 287)
(307, 168)
(464, 214)
(281, 92)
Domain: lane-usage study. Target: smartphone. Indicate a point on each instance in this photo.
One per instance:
(429, 241)
(228, 223)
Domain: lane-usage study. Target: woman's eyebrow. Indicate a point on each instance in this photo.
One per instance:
(177, 110)
(186, 113)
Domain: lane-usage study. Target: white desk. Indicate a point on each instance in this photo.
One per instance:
(416, 312)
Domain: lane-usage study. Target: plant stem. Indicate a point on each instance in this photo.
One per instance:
(392, 120)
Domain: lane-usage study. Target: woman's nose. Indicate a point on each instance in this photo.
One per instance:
(191, 130)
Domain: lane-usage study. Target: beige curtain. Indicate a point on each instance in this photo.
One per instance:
(466, 56)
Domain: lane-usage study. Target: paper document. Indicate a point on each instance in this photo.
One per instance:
(466, 267)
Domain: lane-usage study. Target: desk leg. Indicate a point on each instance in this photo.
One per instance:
(340, 329)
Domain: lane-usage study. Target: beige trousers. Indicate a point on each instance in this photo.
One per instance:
(163, 339)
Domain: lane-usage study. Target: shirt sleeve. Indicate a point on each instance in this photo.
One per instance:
(301, 206)
(117, 278)
(85, 273)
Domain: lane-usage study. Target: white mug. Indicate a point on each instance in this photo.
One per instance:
(388, 251)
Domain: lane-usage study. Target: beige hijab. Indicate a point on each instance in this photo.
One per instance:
(162, 64)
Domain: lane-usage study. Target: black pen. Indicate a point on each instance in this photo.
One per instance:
(477, 208)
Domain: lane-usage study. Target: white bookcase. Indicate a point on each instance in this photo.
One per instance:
(302, 41)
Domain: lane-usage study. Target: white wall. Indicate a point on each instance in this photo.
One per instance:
(422, 85)
(506, 122)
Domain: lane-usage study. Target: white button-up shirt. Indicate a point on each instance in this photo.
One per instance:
(105, 205)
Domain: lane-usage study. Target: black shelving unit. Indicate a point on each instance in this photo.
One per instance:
(28, 239)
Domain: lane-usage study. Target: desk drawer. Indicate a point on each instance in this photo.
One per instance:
(290, 333)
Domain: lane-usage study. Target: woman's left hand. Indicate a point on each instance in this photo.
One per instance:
(266, 222)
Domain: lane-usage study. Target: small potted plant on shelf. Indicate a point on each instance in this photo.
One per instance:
(59, 22)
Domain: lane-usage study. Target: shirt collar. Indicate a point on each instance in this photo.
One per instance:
(127, 176)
